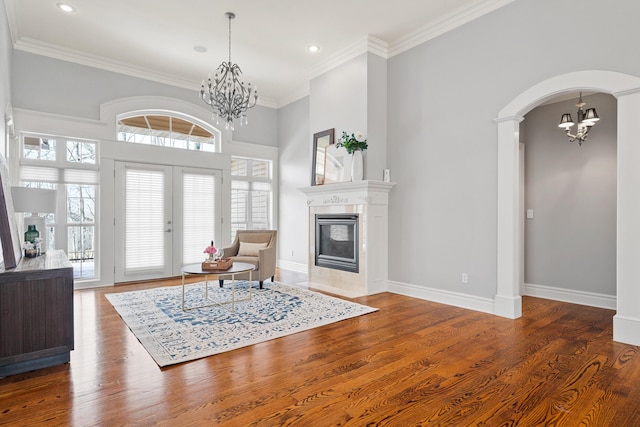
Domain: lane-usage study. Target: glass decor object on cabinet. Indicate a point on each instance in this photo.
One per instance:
(31, 234)
(31, 241)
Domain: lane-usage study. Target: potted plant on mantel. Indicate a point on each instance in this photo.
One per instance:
(355, 144)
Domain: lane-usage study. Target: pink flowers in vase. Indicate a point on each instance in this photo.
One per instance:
(210, 251)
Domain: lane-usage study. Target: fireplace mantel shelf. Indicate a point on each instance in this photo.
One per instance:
(339, 187)
(349, 193)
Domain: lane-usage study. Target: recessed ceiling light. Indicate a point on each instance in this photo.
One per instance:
(200, 49)
(313, 48)
(66, 7)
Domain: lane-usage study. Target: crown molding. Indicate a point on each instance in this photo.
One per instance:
(14, 24)
(447, 23)
(369, 43)
(38, 47)
(294, 96)
(377, 46)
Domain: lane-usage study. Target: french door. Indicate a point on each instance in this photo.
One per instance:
(165, 217)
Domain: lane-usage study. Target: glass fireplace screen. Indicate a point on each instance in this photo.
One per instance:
(337, 241)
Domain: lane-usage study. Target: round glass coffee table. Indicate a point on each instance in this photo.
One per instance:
(236, 268)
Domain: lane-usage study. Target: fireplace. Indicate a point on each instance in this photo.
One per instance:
(356, 219)
(336, 241)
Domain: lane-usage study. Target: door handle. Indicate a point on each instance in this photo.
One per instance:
(168, 230)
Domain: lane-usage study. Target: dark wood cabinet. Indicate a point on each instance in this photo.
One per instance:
(36, 313)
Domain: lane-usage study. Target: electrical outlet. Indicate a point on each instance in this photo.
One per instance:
(465, 278)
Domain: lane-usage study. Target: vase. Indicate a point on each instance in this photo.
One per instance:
(357, 167)
(31, 234)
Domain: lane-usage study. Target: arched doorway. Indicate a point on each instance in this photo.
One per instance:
(626, 89)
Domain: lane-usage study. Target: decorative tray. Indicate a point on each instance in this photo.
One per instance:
(223, 264)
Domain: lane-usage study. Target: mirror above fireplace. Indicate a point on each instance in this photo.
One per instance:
(321, 141)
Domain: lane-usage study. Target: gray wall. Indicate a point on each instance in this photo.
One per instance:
(338, 99)
(353, 97)
(376, 117)
(443, 97)
(295, 150)
(54, 86)
(262, 127)
(571, 241)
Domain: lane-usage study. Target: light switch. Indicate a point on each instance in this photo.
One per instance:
(529, 213)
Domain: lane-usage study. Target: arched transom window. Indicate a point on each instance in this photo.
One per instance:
(165, 131)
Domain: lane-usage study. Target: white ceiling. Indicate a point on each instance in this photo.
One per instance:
(155, 39)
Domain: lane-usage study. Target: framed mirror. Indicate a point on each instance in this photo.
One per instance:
(321, 141)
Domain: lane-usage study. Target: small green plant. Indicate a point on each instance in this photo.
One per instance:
(354, 142)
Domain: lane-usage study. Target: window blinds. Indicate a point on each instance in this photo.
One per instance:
(144, 219)
(198, 215)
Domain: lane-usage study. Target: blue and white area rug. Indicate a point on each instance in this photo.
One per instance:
(172, 335)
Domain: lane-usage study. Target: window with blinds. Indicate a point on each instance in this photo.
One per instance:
(251, 195)
(71, 167)
(144, 219)
(198, 215)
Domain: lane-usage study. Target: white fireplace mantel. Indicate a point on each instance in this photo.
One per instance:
(370, 200)
(349, 193)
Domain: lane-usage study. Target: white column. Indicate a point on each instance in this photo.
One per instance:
(626, 322)
(508, 302)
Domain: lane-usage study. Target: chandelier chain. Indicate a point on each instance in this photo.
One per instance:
(230, 18)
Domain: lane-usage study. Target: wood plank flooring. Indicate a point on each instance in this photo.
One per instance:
(412, 363)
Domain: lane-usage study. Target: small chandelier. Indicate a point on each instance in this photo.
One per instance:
(227, 93)
(586, 119)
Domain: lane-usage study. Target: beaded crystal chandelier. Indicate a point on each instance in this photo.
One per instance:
(226, 93)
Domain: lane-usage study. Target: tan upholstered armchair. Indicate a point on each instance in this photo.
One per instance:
(257, 247)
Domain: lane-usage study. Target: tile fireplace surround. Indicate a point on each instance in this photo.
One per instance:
(370, 200)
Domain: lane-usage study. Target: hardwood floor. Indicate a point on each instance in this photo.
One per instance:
(412, 362)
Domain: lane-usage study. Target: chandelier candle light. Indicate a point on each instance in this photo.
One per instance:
(226, 93)
(586, 120)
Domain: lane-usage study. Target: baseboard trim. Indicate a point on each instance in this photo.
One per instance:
(90, 285)
(571, 296)
(456, 299)
(293, 266)
(626, 330)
